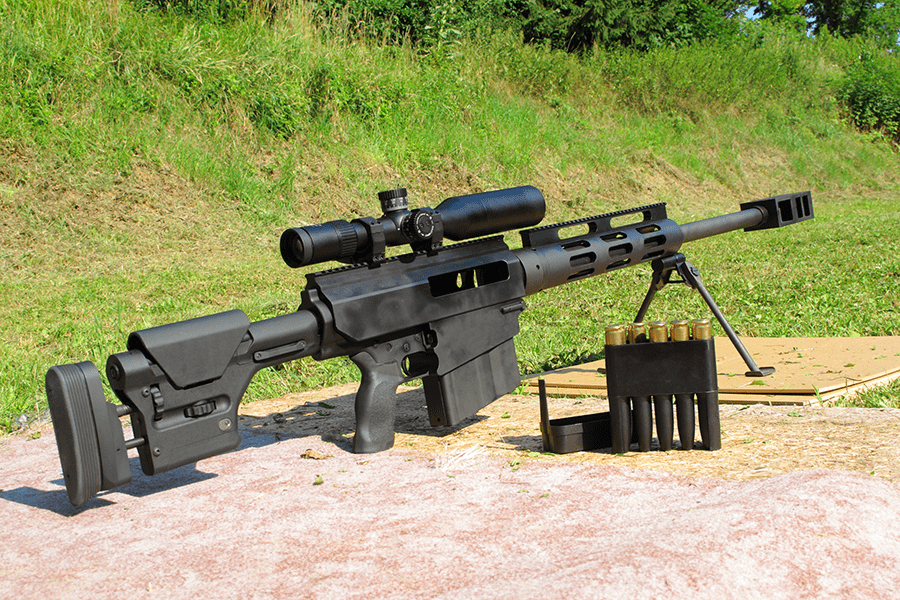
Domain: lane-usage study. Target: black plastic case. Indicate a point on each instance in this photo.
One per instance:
(639, 372)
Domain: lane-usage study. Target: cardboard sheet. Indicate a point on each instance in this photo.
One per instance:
(807, 370)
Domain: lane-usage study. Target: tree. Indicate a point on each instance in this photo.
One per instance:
(785, 12)
(639, 24)
(845, 18)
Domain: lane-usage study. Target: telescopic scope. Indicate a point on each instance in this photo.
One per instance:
(458, 218)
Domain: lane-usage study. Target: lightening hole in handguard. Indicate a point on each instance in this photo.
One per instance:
(576, 230)
(630, 218)
(648, 228)
(620, 250)
(576, 245)
(582, 259)
(580, 274)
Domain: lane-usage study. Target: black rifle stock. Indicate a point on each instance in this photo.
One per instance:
(445, 314)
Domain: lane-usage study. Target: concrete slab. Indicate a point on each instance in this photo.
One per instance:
(265, 522)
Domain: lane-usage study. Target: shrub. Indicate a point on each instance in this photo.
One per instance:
(871, 93)
(278, 112)
(577, 25)
(425, 23)
(216, 11)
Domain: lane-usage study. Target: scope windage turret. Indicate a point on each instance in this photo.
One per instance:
(457, 218)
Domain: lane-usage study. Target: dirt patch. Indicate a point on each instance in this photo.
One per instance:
(757, 441)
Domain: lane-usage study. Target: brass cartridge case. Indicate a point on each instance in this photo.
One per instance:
(684, 403)
(659, 331)
(616, 335)
(637, 333)
(708, 402)
(619, 406)
(702, 329)
(681, 331)
(641, 412)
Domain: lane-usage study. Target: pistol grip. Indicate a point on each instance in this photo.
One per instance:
(375, 403)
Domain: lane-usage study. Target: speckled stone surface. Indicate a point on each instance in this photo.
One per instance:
(265, 522)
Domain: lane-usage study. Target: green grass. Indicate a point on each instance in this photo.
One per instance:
(886, 396)
(150, 162)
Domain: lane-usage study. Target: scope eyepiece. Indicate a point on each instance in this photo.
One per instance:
(334, 240)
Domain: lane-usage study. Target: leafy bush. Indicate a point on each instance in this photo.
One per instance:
(216, 11)
(871, 92)
(276, 111)
(424, 22)
(713, 74)
(577, 25)
(353, 91)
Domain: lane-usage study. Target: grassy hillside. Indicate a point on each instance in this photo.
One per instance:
(149, 162)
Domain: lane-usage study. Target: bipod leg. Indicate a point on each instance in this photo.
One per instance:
(661, 272)
(691, 276)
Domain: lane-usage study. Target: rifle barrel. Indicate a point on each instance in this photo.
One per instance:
(723, 224)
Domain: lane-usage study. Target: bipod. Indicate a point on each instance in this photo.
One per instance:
(690, 275)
